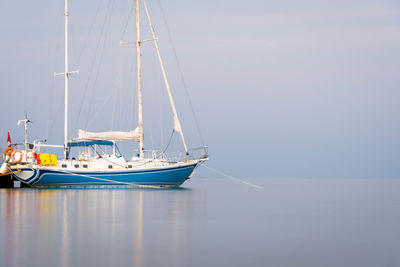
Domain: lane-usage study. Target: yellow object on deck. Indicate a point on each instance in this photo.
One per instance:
(48, 159)
(53, 159)
(45, 159)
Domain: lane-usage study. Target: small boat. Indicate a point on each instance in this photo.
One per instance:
(98, 162)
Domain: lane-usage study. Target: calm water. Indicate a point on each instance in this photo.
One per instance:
(208, 222)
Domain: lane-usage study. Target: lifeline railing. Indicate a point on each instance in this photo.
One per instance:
(193, 154)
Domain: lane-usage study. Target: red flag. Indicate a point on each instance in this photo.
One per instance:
(8, 139)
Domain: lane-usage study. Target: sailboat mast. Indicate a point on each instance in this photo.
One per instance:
(139, 81)
(66, 81)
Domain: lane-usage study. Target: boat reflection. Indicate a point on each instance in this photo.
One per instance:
(96, 226)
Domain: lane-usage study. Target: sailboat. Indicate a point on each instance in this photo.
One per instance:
(101, 164)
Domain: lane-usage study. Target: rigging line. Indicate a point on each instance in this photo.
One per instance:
(118, 96)
(234, 178)
(169, 142)
(101, 56)
(130, 100)
(90, 72)
(55, 118)
(121, 72)
(151, 138)
(121, 98)
(107, 180)
(160, 121)
(88, 34)
(51, 119)
(91, 68)
(127, 22)
(117, 91)
(51, 116)
(107, 22)
(132, 69)
(121, 107)
(181, 74)
(99, 110)
(112, 162)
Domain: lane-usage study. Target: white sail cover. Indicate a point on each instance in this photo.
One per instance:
(127, 136)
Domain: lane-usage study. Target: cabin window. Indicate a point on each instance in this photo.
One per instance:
(84, 166)
(64, 165)
(76, 165)
(110, 166)
(130, 166)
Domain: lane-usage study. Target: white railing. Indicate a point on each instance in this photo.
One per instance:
(193, 154)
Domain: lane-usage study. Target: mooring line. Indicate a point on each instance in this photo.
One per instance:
(234, 178)
(107, 180)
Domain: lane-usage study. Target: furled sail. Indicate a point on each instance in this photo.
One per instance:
(133, 135)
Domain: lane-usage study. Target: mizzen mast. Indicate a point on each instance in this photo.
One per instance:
(66, 79)
(139, 81)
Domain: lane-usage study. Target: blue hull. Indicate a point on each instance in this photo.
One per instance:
(156, 177)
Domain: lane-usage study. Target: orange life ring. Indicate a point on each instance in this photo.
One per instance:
(9, 150)
(13, 156)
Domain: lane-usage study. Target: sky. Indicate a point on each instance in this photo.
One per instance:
(303, 89)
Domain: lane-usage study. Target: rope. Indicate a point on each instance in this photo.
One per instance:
(169, 142)
(11, 172)
(107, 180)
(234, 178)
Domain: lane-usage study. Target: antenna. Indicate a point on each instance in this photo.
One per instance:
(25, 122)
(26, 118)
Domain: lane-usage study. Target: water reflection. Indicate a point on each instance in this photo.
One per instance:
(100, 227)
(291, 222)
